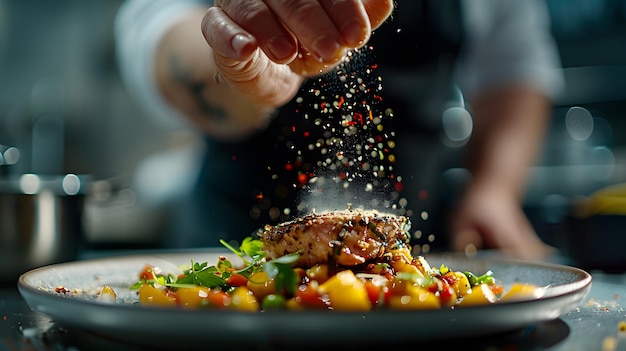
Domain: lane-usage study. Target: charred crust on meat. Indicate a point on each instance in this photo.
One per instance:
(347, 238)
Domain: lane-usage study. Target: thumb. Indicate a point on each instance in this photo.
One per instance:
(378, 11)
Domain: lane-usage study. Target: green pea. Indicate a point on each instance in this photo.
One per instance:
(273, 302)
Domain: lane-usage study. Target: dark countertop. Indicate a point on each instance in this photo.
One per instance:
(594, 325)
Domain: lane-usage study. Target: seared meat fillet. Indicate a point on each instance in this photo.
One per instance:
(345, 238)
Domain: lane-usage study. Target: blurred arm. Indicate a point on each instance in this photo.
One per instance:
(510, 125)
(509, 75)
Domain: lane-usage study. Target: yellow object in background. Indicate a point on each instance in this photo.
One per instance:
(608, 200)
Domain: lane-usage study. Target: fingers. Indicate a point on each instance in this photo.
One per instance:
(525, 243)
(258, 20)
(351, 20)
(313, 25)
(514, 238)
(378, 11)
(323, 29)
(227, 38)
(467, 241)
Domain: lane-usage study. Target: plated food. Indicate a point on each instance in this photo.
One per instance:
(339, 260)
(71, 293)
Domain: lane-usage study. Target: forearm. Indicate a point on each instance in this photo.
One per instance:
(509, 130)
(186, 73)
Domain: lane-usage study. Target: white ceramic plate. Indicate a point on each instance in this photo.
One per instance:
(170, 327)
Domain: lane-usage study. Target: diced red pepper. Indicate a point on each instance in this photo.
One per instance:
(378, 295)
(237, 279)
(497, 289)
(308, 297)
(147, 273)
(446, 294)
(218, 299)
(442, 288)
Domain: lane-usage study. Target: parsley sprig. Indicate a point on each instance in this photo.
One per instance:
(201, 274)
(281, 270)
(168, 280)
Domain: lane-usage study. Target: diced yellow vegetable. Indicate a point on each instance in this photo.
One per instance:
(150, 295)
(346, 292)
(520, 291)
(461, 285)
(479, 295)
(107, 295)
(261, 285)
(293, 305)
(414, 297)
(318, 272)
(405, 266)
(193, 297)
(244, 300)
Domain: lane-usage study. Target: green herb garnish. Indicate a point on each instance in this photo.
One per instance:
(475, 280)
(281, 269)
(216, 276)
(201, 274)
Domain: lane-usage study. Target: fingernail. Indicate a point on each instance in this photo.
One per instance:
(281, 47)
(239, 42)
(354, 33)
(326, 49)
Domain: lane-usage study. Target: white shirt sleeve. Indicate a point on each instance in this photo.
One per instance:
(508, 41)
(139, 26)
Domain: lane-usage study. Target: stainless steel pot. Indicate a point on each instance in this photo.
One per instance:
(40, 221)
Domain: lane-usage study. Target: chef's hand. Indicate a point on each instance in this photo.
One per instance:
(492, 218)
(274, 42)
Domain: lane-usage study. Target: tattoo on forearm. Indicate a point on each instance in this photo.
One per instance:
(216, 113)
(181, 76)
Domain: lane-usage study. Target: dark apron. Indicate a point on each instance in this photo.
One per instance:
(242, 187)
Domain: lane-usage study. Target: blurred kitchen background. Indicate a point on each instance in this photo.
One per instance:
(63, 105)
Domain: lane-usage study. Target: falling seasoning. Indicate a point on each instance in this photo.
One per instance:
(341, 150)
